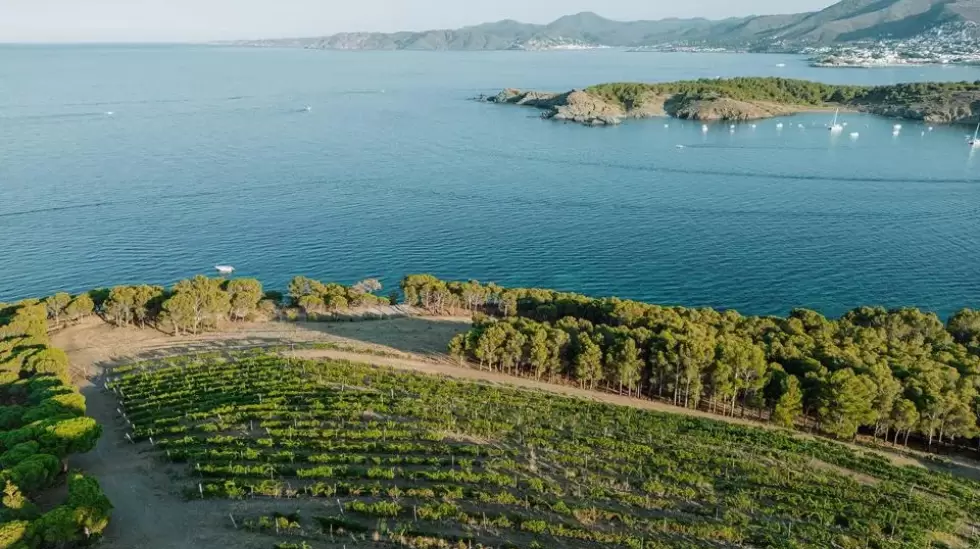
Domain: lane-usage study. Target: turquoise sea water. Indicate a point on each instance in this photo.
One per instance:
(209, 157)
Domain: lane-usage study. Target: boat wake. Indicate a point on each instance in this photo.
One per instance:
(736, 173)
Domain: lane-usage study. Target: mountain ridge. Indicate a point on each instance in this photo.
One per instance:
(845, 21)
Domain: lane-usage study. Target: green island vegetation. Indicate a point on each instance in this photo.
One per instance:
(364, 454)
(42, 422)
(786, 91)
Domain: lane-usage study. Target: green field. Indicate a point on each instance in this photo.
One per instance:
(377, 458)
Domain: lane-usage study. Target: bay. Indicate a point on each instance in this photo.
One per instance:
(210, 156)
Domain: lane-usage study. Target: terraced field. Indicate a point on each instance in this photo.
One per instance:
(332, 454)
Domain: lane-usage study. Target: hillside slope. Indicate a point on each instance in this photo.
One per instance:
(844, 21)
(868, 19)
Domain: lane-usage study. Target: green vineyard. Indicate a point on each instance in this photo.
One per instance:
(370, 457)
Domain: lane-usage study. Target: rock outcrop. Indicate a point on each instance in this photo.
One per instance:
(724, 109)
(961, 109)
(574, 106)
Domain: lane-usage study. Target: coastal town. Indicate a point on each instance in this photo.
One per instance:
(951, 44)
(947, 45)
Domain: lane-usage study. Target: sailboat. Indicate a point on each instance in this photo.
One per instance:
(975, 142)
(834, 126)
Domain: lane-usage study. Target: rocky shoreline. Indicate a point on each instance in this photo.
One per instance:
(591, 109)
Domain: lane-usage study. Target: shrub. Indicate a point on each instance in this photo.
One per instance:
(91, 506)
(13, 534)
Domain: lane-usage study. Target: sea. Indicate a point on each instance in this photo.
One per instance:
(148, 164)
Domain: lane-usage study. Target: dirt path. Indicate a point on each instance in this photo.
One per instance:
(465, 373)
(148, 512)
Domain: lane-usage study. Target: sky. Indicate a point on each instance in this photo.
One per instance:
(202, 20)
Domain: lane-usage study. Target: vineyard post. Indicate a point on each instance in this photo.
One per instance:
(233, 523)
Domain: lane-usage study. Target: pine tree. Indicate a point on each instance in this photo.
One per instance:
(790, 404)
(588, 361)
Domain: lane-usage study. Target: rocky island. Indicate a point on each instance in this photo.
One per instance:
(743, 99)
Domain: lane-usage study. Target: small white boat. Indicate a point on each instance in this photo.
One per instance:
(802, 127)
(704, 128)
(779, 126)
(835, 127)
(855, 135)
(752, 126)
(224, 269)
(780, 65)
(680, 146)
(731, 128)
(666, 125)
(975, 141)
(109, 113)
(930, 128)
(897, 127)
(308, 108)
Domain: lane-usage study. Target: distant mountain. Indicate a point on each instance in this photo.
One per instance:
(848, 20)
(851, 20)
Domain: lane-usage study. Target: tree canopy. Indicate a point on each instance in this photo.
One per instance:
(42, 421)
(896, 372)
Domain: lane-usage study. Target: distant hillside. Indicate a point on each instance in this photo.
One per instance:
(848, 20)
(869, 19)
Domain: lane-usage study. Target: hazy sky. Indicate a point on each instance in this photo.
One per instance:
(164, 20)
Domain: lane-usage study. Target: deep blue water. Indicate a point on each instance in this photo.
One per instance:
(209, 157)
